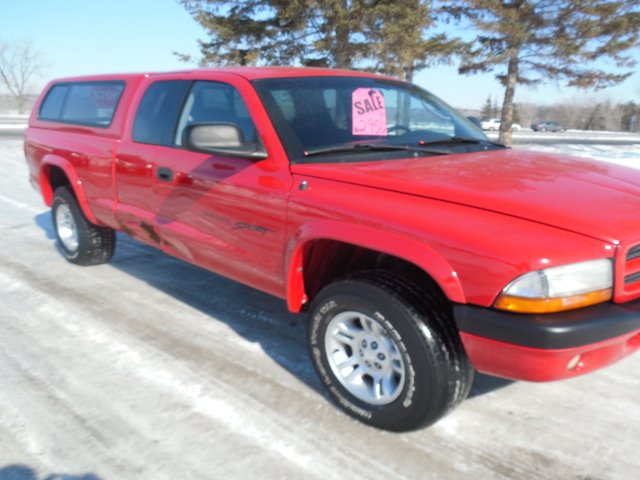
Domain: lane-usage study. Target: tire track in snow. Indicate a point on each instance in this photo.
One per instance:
(218, 401)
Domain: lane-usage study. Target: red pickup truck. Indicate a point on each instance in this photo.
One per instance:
(422, 250)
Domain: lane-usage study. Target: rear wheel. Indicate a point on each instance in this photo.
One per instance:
(388, 352)
(80, 241)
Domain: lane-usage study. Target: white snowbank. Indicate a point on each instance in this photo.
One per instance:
(628, 155)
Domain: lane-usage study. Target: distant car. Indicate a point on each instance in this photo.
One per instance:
(547, 126)
(493, 124)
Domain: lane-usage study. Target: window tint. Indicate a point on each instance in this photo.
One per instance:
(156, 116)
(214, 102)
(52, 106)
(312, 113)
(86, 103)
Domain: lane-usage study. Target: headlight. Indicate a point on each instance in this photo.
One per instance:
(559, 288)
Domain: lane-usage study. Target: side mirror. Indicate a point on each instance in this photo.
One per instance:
(221, 139)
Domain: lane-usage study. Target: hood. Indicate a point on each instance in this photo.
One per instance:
(592, 198)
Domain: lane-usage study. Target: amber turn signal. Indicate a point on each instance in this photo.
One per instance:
(551, 305)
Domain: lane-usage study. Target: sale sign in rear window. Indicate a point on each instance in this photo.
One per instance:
(83, 103)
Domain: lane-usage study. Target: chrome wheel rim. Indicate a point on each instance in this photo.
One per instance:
(364, 358)
(66, 227)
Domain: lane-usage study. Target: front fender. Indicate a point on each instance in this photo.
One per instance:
(50, 161)
(398, 245)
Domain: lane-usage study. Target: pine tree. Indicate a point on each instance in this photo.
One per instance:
(387, 36)
(399, 40)
(487, 109)
(531, 41)
(494, 109)
(630, 117)
(249, 32)
(595, 120)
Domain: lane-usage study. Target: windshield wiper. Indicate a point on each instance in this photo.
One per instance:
(458, 141)
(372, 147)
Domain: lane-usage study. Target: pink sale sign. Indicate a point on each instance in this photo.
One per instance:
(369, 115)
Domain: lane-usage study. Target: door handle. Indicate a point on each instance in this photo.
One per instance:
(164, 174)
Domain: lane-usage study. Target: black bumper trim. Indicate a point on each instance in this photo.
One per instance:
(554, 331)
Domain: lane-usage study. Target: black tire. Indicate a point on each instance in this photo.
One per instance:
(92, 245)
(437, 371)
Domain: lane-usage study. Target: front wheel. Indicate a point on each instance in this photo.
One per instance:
(80, 241)
(388, 352)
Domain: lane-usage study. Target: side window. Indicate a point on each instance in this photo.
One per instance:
(156, 116)
(84, 103)
(425, 116)
(314, 114)
(215, 102)
(337, 108)
(284, 101)
(52, 106)
(408, 110)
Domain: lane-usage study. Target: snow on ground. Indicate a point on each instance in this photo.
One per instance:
(13, 123)
(577, 135)
(628, 155)
(150, 368)
(13, 118)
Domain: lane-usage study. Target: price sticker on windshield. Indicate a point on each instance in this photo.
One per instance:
(369, 115)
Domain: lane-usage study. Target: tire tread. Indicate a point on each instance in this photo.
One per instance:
(96, 244)
(432, 316)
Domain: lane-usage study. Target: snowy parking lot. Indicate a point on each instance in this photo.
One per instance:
(150, 368)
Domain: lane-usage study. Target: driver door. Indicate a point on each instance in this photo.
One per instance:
(224, 213)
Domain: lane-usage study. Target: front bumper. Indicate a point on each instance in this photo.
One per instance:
(548, 347)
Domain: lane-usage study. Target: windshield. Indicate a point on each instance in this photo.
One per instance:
(324, 118)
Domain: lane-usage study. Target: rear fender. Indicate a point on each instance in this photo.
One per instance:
(395, 244)
(76, 184)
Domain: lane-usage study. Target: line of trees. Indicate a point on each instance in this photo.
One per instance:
(490, 109)
(520, 41)
(583, 115)
(579, 114)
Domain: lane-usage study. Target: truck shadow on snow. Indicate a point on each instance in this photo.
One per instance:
(256, 316)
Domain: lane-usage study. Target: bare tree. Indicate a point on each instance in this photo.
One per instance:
(20, 64)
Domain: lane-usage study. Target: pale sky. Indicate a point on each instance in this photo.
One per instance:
(81, 37)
